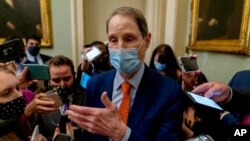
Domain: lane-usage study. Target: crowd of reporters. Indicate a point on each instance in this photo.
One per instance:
(91, 112)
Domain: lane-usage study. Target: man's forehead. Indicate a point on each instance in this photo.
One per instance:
(60, 70)
(121, 22)
(33, 41)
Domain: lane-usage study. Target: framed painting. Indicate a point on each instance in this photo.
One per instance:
(26, 17)
(220, 26)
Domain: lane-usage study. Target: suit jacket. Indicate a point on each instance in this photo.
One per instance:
(240, 83)
(240, 101)
(44, 57)
(156, 113)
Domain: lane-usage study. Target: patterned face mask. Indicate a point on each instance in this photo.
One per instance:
(63, 92)
(12, 109)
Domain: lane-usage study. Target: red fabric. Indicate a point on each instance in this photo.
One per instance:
(28, 95)
(246, 120)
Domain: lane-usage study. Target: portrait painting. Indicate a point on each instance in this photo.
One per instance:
(219, 19)
(25, 17)
(220, 25)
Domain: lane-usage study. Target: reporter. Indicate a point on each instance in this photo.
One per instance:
(13, 103)
(100, 63)
(235, 102)
(189, 80)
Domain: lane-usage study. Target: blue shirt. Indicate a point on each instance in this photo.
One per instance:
(117, 91)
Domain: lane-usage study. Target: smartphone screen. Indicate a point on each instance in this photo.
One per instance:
(188, 64)
(84, 79)
(203, 101)
(93, 53)
(55, 96)
(38, 72)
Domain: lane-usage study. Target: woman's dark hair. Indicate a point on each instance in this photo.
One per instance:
(166, 56)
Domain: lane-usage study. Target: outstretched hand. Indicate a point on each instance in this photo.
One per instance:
(103, 121)
(217, 91)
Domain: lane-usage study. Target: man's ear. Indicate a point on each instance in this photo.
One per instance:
(148, 39)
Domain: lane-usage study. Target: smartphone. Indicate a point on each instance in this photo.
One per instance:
(188, 64)
(93, 53)
(38, 72)
(11, 50)
(35, 133)
(54, 96)
(204, 101)
(62, 137)
(84, 79)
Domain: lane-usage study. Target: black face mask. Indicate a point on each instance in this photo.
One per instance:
(34, 50)
(101, 64)
(63, 92)
(12, 109)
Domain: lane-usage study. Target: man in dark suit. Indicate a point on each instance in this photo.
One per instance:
(155, 103)
(33, 54)
(62, 81)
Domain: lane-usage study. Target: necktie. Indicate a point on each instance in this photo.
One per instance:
(125, 104)
(36, 61)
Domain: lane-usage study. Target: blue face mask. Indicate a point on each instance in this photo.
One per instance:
(160, 66)
(125, 60)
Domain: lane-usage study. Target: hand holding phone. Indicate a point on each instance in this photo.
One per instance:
(204, 101)
(188, 64)
(55, 97)
(93, 53)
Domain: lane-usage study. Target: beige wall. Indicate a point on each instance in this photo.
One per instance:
(61, 28)
(96, 12)
(216, 66)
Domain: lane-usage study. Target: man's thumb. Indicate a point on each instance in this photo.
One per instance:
(105, 100)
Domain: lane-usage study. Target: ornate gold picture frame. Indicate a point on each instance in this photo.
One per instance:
(22, 18)
(232, 19)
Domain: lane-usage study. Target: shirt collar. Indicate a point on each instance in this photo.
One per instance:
(30, 57)
(134, 81)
